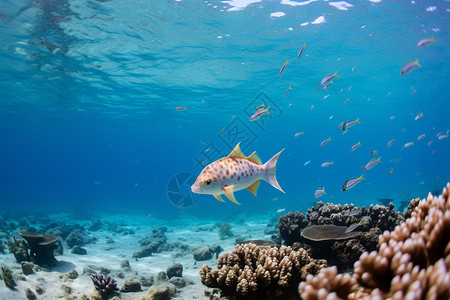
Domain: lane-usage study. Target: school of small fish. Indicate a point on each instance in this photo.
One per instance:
(215, 178)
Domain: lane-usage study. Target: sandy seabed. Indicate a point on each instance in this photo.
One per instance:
(103, 254)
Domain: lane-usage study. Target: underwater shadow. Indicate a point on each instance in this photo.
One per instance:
(63, 267)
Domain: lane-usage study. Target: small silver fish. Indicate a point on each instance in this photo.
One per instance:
(282, 68)
(325, 142)
(353, 227)
(372, 163)
(352, 182)
(259, 113)
(409, 66)
(319, 192)
(425, 42)
(349, 124)
(355, 212)
(301, 51)
(328, 78)
(327, 163)
(355, 146)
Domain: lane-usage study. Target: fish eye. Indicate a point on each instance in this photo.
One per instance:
(208, 182)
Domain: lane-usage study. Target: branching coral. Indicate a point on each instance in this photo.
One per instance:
(104, 284)
(251, 270)
(413, 261)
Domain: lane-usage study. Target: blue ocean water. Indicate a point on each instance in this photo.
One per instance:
(89, 91)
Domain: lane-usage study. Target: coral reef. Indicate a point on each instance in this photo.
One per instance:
(338, 247)
(106, 285)
(290, 225)
(258, 271)
(259, 243)
(411, 207)
(327, 233)
(413, 261)
(41, 247)
(383, 217)
(328, 240)
(19, 249)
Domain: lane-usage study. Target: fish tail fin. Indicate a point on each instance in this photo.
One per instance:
(336, 75)
(270, 168)
(362, 178)
(323, 190)
(379, 159)
(267, 110)
(304, 44)
(332, 163)
(417, 63)
(432, 40)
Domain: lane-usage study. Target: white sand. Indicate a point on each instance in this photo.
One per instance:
(102, 254)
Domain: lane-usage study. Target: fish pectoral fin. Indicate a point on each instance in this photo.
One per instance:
(254, 187)
(219, 198)
(229, 193)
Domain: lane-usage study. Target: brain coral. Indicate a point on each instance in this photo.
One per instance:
(251, 270)
(413, 261)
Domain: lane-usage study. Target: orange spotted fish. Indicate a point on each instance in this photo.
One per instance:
(236, 172)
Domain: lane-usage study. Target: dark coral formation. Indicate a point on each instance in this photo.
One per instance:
(383, 217)
(19, 249)
(8, 279)
(106, 285)
(327, 233)
(338, 218)
(339, 247)
(42, 247)
(413, 261)
(258, 271)
(290, 225)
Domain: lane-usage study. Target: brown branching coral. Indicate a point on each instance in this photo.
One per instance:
(328, 284)
(413, 261)
(251, 270)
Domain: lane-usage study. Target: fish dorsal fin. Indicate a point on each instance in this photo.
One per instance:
(255, 158)
(254, 187)
(219, 198)
(229, 193)
(237, 152)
